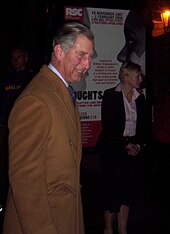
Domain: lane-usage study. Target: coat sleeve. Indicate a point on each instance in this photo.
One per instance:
(113, 122)
(29, 125)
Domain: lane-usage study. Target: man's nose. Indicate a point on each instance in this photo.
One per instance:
(87, 62)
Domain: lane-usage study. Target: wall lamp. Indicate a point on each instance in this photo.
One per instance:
(165, 16)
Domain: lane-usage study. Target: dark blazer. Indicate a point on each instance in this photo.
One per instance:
(44, 160)
(111, 138)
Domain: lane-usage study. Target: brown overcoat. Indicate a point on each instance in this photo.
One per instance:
(44, 160)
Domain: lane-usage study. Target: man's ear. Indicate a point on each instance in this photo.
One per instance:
(58, 51)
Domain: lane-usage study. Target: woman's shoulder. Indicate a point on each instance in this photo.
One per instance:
(111, 91)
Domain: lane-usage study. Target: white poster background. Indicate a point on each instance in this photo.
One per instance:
(107, 26)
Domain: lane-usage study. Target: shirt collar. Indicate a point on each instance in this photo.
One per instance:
(135, 92)
(50, 66)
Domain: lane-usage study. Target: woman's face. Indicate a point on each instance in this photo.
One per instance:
(133, 79)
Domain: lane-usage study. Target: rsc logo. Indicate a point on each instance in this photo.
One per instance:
(74, 12)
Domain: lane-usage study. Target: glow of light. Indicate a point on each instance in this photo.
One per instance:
(165, 16)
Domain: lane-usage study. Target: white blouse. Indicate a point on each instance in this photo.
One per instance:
(130, 111)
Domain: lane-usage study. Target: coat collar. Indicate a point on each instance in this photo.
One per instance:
(62, 93)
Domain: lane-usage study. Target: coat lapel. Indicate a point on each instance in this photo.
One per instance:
(63, 94)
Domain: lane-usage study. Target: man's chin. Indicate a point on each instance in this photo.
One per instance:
(77, 79)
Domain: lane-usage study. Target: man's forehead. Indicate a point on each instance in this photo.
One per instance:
(86, 46)
(135, 19)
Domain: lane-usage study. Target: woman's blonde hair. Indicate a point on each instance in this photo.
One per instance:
(128, 68)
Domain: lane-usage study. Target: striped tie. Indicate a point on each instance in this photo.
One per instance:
(72, 93)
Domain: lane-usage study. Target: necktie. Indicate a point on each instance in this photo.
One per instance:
(72, 93)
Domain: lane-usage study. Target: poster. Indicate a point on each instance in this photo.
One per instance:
(107, 26)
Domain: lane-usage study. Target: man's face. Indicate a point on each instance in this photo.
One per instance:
(134, 48)
(18, 59)
(76, 62)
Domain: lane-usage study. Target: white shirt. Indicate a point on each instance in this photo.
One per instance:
(130, 111)
(50, 66)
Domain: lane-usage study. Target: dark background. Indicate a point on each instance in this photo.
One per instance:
(32, 23)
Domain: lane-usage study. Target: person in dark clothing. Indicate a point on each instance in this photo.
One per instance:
(11, 86)
(14, 82)
(121, 145)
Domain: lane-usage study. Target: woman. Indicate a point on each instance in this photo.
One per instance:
(121, 145)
